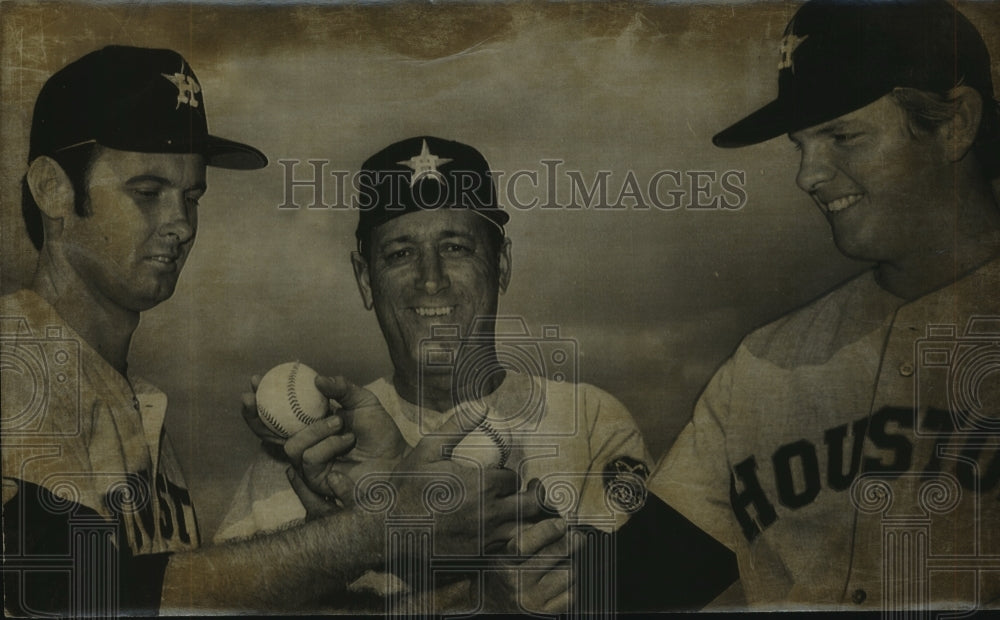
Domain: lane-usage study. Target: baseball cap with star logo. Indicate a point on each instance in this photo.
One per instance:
(425, 173)
(131, 99)
(837, 57)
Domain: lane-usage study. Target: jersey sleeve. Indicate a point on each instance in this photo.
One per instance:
(693, 477)
(619, 460)
(63, 558)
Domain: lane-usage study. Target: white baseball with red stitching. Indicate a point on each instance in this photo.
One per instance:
(287, 398)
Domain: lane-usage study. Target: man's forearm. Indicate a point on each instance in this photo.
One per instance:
(300, 568)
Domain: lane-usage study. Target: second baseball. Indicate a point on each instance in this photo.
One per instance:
(288, 400)
(486, 445)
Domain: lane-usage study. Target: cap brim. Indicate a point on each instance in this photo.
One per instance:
(222, 153)
(768, 122)
(792, 114)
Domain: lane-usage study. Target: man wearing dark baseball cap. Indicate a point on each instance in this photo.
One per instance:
(845, 450)
(433, 258)
(97, 519)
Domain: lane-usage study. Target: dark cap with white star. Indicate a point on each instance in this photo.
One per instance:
(425, 173)
(838, 56)
(131, 99)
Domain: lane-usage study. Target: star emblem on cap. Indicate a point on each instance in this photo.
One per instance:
(788, 46)
(187, 88)
(424, 164)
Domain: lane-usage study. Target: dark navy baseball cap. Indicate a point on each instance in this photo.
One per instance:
(425, 173)
(131, 99)
(837, 57)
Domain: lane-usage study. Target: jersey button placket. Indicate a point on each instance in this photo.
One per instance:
(906, 369)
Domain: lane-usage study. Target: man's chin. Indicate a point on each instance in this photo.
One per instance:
(854, 245)
(153, 298)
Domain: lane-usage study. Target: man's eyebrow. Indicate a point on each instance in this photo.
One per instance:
(399, 239)
(457, 233)
(841, 126)
(833, 127)
(152, 178)
(142, 178)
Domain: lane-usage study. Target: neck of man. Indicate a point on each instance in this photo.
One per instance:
(107, 328)
(440, 392)
(967, 239)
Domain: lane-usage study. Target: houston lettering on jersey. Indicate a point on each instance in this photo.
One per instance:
(882, 444)
(146, 508)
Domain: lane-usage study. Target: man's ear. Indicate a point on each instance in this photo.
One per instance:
(50, 187)
(505, 265)
(363, 277)
(959, 133)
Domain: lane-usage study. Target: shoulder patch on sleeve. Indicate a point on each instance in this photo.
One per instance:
(625, 483)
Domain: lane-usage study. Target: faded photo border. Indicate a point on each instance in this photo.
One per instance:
(642, 253)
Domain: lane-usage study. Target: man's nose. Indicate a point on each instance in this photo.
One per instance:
(815, 168)
(179, 220)
(432, 277)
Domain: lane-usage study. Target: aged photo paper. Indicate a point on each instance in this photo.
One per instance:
(641, 254)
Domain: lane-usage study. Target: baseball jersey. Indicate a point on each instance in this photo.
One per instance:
(848, 452)
(577, 439)
(85, 455)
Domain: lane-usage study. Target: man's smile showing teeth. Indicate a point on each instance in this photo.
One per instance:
(842, 203)
(439, 311)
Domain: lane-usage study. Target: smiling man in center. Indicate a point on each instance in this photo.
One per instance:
(432, 260)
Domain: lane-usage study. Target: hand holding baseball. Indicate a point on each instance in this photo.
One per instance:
(491, 504)
(539, 578)
(253, 421)
(332, 453)
(488, 445)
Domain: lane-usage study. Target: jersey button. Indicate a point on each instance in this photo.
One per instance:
(906, 369)
(859, 596)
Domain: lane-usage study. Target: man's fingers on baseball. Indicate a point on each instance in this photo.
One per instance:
(349, 395)
(249, 413)
(249, 402)
(311, 435)
(503, 517)
(255, 382)
(530, 506)
(249, 409)
(439, 445)
(328, 449)
(536, 487)
(264, 433)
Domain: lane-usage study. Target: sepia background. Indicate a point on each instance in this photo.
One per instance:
(654, 300)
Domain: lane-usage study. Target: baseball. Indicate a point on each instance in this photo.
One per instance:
(486, 445)
(287, 398)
